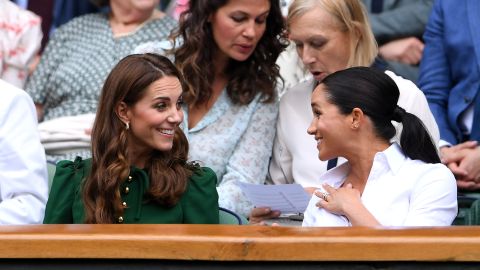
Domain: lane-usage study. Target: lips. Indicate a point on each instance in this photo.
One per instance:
(168, 132)
(245, 48)
(319, 140)
(318, 75)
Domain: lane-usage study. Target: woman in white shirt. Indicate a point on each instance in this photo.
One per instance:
(329, 35)
(381, 184)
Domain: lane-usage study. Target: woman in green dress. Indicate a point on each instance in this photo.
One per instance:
(138, 172)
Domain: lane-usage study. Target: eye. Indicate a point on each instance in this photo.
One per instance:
(261, 20)
(180, 103)
(161, 106)
(317, 43)
(238, 18)
(316, 113)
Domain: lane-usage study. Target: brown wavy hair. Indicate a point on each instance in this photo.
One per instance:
(196, 48)
(168, 171)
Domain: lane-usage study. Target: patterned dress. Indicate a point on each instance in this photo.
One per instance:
(235, 141)
(77, 60)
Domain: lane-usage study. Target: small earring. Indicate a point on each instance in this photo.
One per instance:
(127, 126)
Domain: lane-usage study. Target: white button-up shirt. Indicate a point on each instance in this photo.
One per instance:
(23, 168)
(399, 192)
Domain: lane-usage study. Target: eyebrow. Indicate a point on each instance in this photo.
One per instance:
(167, 98)
(248, 14)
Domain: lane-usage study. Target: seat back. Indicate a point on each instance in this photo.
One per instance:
(472, 215)
(51, 167)
(229, 217)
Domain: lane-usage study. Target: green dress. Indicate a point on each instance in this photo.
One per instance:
(198, 205)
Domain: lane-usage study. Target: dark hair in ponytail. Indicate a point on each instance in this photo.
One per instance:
(376, 94)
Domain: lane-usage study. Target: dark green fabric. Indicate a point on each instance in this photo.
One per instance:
(198, 205)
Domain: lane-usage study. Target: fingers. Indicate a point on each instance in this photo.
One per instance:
(456, 170)
(454, 155)
(321, 204)
(328, 188)
(467, 185)
(466, 145)
(310, 190)
(258, 214)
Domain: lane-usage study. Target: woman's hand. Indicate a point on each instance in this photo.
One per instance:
(310, 190)
(259, 214)
(346, 201)
(338, 200)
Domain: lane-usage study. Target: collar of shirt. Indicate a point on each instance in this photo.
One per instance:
(218, 109)
(391, 159)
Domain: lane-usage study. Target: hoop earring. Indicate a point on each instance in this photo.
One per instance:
(127, 126)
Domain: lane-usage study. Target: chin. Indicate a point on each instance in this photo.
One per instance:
(325, 157)
(164, 148)
(240, 57)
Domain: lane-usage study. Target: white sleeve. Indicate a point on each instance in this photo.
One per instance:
(23, 173)
(414, 101)
(280, 169)
(433, 201)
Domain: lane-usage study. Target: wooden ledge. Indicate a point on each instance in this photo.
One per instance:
(239, 243)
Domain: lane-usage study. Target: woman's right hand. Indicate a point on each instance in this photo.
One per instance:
(310, 190)
(259, 214)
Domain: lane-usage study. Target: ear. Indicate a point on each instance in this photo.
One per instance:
(122, 112)
(357, 118)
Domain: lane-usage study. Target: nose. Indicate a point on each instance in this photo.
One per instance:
(307, 56)
(249, 30)
(176, 116)
(312, 129)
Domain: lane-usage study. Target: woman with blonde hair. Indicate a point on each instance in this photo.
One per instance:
(329, 36)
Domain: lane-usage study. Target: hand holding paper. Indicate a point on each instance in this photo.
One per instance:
(287, 198)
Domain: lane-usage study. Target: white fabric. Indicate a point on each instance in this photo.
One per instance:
(292, 69)
(66, 133)
(23, 171)
(399, 192)
(466, 119)
(295, 154)
(20, 37)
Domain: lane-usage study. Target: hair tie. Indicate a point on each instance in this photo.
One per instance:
(398, 114)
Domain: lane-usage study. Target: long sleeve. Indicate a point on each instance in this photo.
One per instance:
(250, 158)
(39, 84)
(62, 205)
(23, 171)
(408, 19)
(435, 80)
(280, 169)
(200, 202)
(433, 201)
(414, 101)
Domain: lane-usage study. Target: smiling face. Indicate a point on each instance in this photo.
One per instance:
(238, 26)
(320, 43)
(329, 126)
(154, 118)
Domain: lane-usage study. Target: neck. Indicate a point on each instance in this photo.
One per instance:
(220, 62)
(127, 20)
(361, 161)
(138, 156)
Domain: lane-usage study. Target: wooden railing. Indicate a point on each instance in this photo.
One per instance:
(217, 243)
